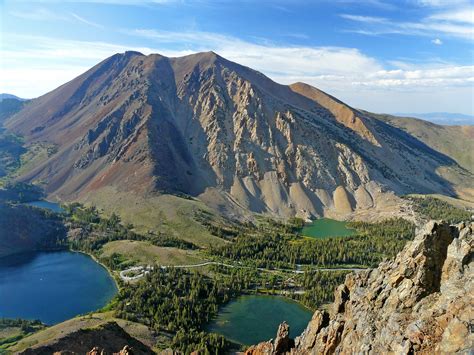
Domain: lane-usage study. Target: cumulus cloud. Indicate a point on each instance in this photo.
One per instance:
(437, 41)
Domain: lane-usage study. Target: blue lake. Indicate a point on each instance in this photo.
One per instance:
(52, 286)
(53, 206)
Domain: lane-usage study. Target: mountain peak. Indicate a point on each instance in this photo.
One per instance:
(201, 58)
(132, 53)
(202, 124)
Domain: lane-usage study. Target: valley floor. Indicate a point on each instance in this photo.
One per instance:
(185, 284)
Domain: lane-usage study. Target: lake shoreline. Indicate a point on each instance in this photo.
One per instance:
(55, 207)
(109, 271)
(60, 248)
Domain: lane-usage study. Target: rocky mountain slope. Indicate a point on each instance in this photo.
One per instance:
(24, 228)
(421, 302)
(455, 141)
(10, 106)
(211, 128)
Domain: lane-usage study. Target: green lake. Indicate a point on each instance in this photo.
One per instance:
(326, 227)
(252, 319)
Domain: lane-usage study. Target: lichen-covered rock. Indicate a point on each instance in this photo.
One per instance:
(422, 301)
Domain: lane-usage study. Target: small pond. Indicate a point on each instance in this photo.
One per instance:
(326, 228)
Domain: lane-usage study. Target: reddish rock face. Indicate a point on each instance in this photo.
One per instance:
(420, 302)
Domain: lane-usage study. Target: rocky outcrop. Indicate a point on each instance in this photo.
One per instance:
(106, 339)
(420, 302)
(282, 343)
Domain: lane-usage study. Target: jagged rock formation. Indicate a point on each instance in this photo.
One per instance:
(280, 345)
(422, 302)
(208, 127)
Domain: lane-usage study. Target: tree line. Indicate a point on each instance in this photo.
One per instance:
(274, 249)
(433, 208)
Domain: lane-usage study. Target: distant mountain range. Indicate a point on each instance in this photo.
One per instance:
(10, 96)
(224, 133)
(9, 105)
(444, 118)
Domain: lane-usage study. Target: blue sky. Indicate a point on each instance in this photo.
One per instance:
(379, 55)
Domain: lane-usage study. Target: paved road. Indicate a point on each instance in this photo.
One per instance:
(147, 269)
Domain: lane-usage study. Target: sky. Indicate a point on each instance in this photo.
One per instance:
(379, 55)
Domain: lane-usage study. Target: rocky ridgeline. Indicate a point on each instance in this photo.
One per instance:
(420, 302)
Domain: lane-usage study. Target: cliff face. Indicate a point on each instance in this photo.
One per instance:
(420, 302)
(208, 127)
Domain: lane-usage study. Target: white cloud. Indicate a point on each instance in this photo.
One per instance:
(382, 4)
(87, 22)
(42, 14)
(32, 82)
(442, 3)
(290, 60)
(365, 19)
(437, 41)
(455, 21)
(459, 15)
(33, 65)
(39, 14)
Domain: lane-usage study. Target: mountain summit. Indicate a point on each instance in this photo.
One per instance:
(211, 128)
